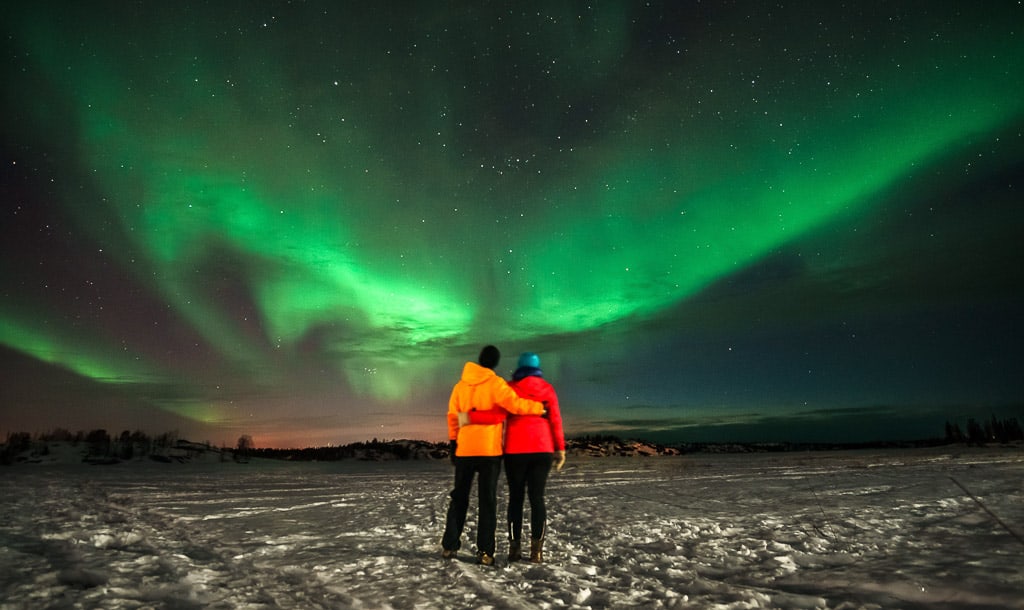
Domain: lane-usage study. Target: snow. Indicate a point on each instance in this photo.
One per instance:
(838, 530)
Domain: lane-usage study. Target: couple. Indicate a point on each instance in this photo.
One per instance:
(480, 402)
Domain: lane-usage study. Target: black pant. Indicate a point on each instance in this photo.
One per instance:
(487, 493)
(527, 472)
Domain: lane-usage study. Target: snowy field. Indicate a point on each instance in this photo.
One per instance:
(864, 529)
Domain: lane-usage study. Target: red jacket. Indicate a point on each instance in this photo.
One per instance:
(529, 433)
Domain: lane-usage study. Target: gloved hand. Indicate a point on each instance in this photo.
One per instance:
(559, 459)
(463, 418)
(452, 445)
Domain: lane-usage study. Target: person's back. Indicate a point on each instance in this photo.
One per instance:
(480, 389)
(532, 445)
(535, 433)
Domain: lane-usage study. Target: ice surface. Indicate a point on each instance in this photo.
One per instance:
(857, 529)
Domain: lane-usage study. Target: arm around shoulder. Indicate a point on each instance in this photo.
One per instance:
(489, 417)
(506, 398)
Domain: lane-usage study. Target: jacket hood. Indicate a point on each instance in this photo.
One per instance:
(527, 371)
(474, 374)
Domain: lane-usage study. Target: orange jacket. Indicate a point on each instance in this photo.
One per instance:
(481, 389)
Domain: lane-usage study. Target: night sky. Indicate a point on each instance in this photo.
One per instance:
(733, 221)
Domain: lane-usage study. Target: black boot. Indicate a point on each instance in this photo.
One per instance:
(515, 551)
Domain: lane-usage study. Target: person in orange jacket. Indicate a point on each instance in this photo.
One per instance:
(476, 450)
(532, 445)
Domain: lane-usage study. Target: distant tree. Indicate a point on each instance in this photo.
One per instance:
(1013, 430)
(993, 429)
(141, 442)
(125, 447)
(975, 433)
(1003, 430)
(953, 433)
(243, 448)
(17, 442)
(57, 435)
(165, 441)
(99, 442)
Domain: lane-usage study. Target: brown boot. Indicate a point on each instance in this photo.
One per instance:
(515, 551)
(485, 559)
(537, 551)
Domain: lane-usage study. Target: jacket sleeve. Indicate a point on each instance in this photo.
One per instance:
(506, 398)
(555, 417)
(453, 416)
(491, 416)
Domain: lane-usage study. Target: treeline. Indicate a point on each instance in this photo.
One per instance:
(375, 450)
(100, 446)
(992, 431)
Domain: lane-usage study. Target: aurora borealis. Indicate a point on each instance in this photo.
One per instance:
(721, 220)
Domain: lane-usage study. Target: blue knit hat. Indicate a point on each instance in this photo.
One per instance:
(529, 360)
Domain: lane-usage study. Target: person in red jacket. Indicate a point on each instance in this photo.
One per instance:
(533, 443)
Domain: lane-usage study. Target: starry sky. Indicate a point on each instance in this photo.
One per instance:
(736, 221)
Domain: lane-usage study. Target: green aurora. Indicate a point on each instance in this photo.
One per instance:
(327, 201)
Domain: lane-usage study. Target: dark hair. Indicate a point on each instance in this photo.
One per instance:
(489, 357)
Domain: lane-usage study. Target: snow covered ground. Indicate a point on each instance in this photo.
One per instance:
(857, 529)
